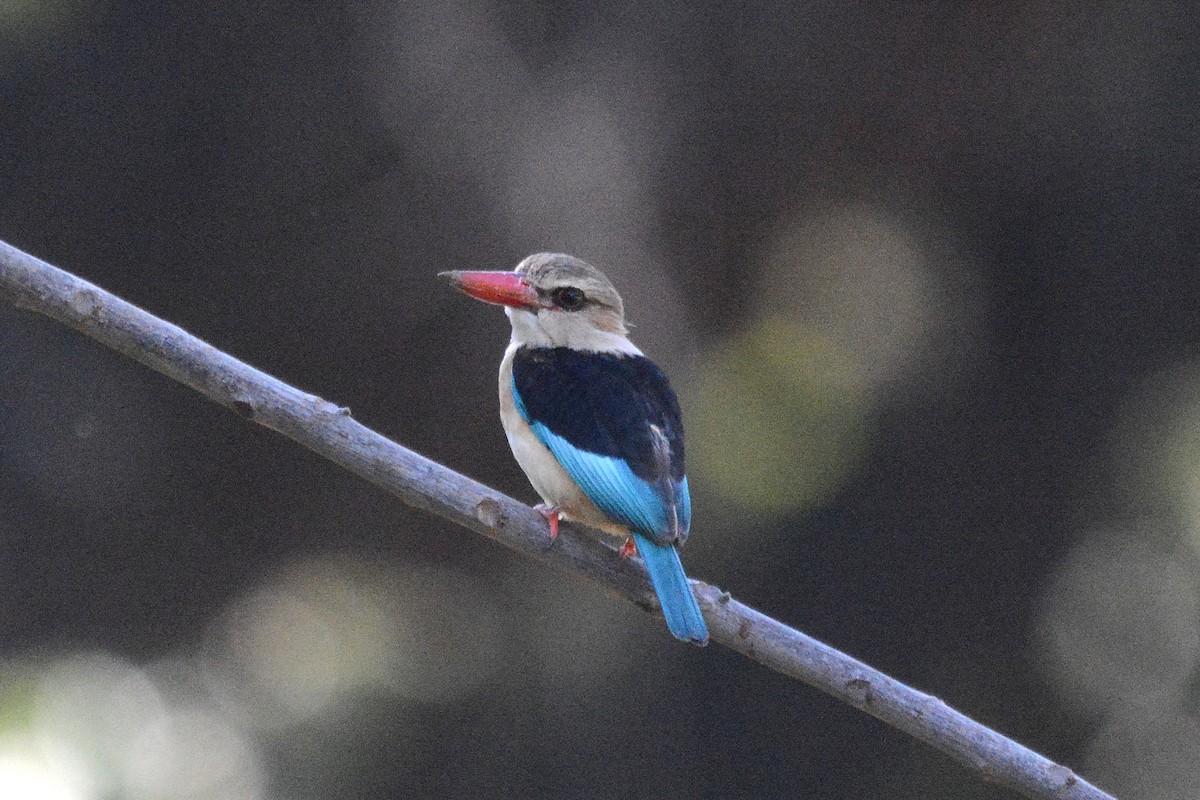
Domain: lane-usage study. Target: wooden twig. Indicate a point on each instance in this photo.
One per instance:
(330, 431)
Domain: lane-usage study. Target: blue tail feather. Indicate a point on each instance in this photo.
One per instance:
(670, 583)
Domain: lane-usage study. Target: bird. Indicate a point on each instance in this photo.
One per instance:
(593, 422)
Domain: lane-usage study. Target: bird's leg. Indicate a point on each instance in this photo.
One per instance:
(628, 549)
(551, 513)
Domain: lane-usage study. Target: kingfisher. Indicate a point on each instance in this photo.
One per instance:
(591, 420)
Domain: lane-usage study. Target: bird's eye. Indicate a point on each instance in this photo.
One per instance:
(568, 298)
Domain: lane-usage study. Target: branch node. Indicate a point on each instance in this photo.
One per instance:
(861, 692)
(709, 596)
(328, 407)
(1061, 777)
(84, 302)
(242, 409)
(489, 512)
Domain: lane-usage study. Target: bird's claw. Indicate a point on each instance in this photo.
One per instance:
(628, 549)
(551, 513)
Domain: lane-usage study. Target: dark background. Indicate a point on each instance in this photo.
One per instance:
(924, 276)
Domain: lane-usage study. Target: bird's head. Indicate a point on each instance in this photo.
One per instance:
(553, 300)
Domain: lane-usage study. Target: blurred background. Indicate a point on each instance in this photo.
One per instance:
(924, 277)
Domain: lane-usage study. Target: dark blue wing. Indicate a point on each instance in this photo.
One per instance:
(613, 422)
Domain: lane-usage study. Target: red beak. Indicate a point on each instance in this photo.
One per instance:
(501, 288)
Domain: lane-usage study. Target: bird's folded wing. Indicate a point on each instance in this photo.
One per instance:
(613, 423)
(611, 485)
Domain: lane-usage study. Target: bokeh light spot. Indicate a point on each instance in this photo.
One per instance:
(27, 777)
(197, 753)
(862, 280)
(1157, 451)
(1147, 749)
(1121, 620)
(91, 708)
(776, 419)
(331, 627)
(90, 726)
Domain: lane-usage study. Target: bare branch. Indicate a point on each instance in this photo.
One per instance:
(330, 431)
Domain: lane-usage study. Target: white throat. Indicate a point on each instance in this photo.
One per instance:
(550, 328)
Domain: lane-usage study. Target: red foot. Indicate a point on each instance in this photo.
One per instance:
(551, 514)
(628, 549)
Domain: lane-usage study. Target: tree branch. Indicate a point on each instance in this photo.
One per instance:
(329, 430)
